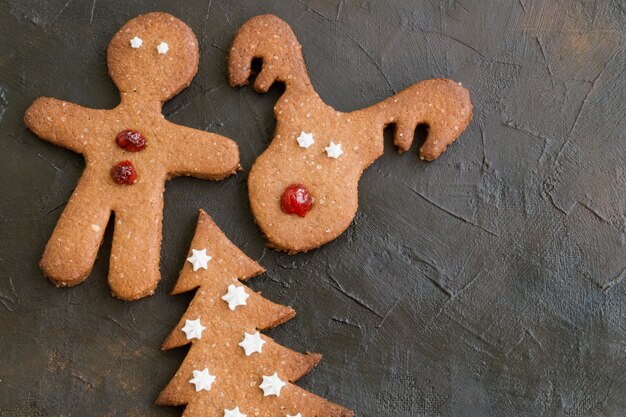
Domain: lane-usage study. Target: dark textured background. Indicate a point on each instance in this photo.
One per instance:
(488, 283)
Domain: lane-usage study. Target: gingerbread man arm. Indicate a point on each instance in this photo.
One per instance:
(60, 122)
(202, 154)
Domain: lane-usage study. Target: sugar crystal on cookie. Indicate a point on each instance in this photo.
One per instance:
(305, 140)
(235, 412)
(199, 259)
(193, 329)
(235, 297)
(162, 48)
(203, 380)
(252, 343)
(272, 385)
(136, 42)
(334, 150)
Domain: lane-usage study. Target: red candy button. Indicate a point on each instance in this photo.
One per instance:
(124, 173)
(131, 140)
(296, 199)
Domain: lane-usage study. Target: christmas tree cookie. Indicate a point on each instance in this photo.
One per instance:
(233, 370)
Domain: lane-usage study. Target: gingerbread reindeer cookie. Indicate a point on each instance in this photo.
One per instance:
(130, 151)
(303, 188)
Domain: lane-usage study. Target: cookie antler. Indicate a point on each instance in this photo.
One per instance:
(271, 39)
(443, 105)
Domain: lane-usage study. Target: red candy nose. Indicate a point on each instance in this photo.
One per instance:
(297, 200)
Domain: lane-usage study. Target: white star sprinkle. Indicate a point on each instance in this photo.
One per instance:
(236, 296)
(193, 329)
(199, 259)
(162, 48)
(297, 415)
(272, 385)
(136, 42)
(234, 413)
(305, 140)
(202, 380)
(252, 343)
(334, 150)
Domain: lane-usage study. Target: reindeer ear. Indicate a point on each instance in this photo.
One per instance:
(271, 39)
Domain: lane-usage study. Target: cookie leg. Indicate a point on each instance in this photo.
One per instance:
(134, 265)
(72, 249)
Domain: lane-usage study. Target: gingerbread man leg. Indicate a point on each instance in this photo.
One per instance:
(134, 265)
(73, 247)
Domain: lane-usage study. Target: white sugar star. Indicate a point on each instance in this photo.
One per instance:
(136, 42)
(305, 140)
(162, 48)
(234, 413)
(199, 259)
(236, 296)
(202, 380)
(193, 328)
(297, 415)
(252, 343)
(334, 150)
(272, 385)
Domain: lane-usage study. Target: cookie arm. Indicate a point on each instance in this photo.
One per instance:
(60, 122)
(202, 154)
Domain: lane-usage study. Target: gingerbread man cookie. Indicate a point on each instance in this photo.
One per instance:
(130, 151)
(303, 188)
(231, 369)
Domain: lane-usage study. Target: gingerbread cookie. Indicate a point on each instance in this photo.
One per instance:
(129, 152)
(231, 369)
(303, 188)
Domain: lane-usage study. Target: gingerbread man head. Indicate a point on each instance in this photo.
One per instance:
(303, 188)
(153, 55)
